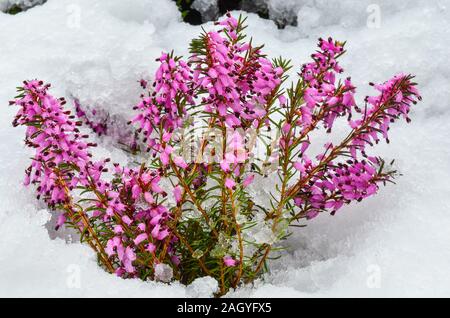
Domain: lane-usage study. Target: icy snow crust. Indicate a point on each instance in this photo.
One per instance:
(395, 244)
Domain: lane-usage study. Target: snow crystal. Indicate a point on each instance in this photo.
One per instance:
(202, 287)
(163, 273)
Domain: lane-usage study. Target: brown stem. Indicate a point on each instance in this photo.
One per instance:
(98, 246)
(191, 250)
(192, 196)
(222, 280)
(262, 260)
(177, 216)
(239, 235)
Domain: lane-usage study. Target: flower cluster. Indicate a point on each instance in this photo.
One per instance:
(341, 184)
(126, 207)
(57, 141)
(100, 127)
(171, 218)
(322, 90)
(162, 111)
(237, 77)
(329, 184)
(138, 221)
(394, 101)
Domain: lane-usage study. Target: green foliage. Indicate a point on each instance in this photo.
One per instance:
(14, 10)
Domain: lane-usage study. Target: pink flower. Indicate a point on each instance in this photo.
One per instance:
(149, 198)
(229, 261)
(224, 165)
(177, 194)
(128, 259)
(165, 158)
(312, 214)
(286, 128)
(162, 234)
(158, 233)
(248, 180)
(175, 260)
(127, 219)
(142, 226)
(118, 229)
(140, 238)
(151, 247)
(230, 183)
(136, 191)
(61, 220)
(179, 161)
(299, 166)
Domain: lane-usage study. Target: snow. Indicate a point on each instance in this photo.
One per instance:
(394, 244)
(348, 13)
(163, 272)
(202, 287)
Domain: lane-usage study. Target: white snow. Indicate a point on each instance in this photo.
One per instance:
(202, 287)
(394, 244)
(163, 273)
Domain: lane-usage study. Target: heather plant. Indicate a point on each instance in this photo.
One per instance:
(211, 127)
